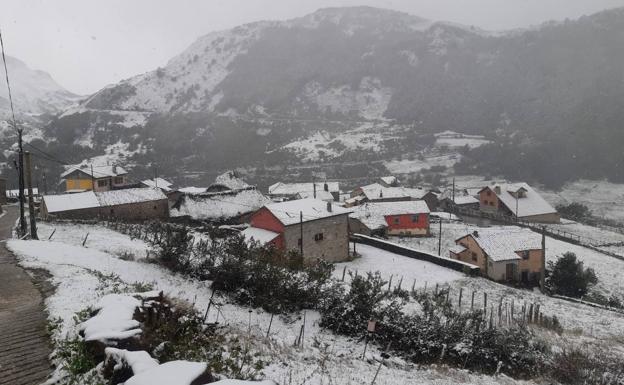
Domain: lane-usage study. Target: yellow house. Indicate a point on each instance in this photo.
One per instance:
(94, 178)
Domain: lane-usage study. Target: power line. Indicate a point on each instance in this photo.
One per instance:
(6, 75)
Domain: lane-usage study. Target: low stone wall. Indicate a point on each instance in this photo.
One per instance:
(416, 254)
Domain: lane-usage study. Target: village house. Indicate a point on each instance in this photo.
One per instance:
(324, 226)
(160, 183)
(325, 191)
(389, 181)
(446, 202)
(94, 178)
(505, 254)
(229, 199)
(519, 201)
(377, 192)
(409, 218)
(132, 204)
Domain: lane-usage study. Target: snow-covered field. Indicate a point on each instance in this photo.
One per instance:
(82, 275)
(407, 166)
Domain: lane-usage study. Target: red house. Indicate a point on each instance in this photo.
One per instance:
(324, 226)
(409, 218)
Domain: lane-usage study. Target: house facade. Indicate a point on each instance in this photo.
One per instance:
(324, 226)
(410, 218)
(517, 200)
(94, 178)
(510, 254)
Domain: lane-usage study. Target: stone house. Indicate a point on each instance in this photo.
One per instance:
(135, 204)
(504, 254)
(320, 229)
(325, 191)
(377, 192)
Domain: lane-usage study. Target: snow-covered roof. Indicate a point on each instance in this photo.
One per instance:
(230, 180)
(456, 249)
(377, 191)
(389, 180)
(530, 204)
(320, 195)
(193, 190)
(64, 202)
(90, 199)
(501, 244)
(280, 188)
(373, 214)
(288, 212)
(227, 204)
(159, 183)
(465, 200)
(131, 195)
(98, 171)
(261, 236)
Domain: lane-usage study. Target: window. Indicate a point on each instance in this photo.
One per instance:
(488, 193)
(485, 202)
(525, 254)
(318, 237)
(118, 180)
(414, 218)
(397, 220)
(102, 182)
(474, 256)
(491, 203)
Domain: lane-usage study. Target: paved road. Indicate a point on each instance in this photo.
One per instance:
(24, 345)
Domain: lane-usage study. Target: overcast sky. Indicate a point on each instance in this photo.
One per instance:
(87, 44)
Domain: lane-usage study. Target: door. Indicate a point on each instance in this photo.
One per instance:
(509, 273)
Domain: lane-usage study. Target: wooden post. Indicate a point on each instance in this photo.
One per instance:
(85, 239)
(53, 231)
(270, 323)
(440, 239)
(543, 270)
(484, 301)
(436, 289)
(461, 291)
(500, 309)
(31, 200)
(413, 285)
(530, 315)
(301, 232)
(344, 270)
(472, 301)
(400, 282)
(390, 283)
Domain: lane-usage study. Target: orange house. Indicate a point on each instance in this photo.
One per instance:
(409, 218)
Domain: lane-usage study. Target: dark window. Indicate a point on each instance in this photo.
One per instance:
(491, 203)
(525, 254)
(318, 237)
(102, 182)
(397, 220)
(155, 207)
(485, 202)
(118, 180)
(474, 256)
(488, 193)
(414, 218)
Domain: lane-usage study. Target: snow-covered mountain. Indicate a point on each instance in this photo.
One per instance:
(234, 97)
(34, 92)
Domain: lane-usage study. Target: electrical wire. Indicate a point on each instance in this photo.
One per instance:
(6, 74)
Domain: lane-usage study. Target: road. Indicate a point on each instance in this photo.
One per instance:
(24, 344)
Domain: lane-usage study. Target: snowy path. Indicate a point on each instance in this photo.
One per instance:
(24, 345)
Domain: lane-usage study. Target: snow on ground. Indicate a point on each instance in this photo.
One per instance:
(461, 142)
(602, 197)
(100, 238)
(323, 144)
(407, 166)
(390, 264)
(82, 275)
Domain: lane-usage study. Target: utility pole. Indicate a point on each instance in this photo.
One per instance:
(156, 176)
(31, 201)
(453, 190)
(543, 272)
(440, 239)
(20, 161)
(45, 184)
(92, 179)
(301, 231)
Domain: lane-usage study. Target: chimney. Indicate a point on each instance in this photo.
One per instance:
(114, 169)
(475, 234)
(381, 193)
(314, 189)
(326, 187)
(329, 207)
(497, 189)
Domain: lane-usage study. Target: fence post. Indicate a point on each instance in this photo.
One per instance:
(472, 301)
(484, 301)
(461, 291)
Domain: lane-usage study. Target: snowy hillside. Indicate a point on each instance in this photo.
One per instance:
(34, 92)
